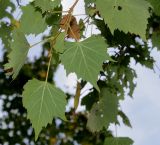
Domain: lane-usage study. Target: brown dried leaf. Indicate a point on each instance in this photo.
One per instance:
(73, 30)
(64, 21)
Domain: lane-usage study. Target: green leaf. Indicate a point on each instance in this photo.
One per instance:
(46, 5)
(104, 112)
(5, 32)
(59, 45)
(128, 16)
(85, 58)
(77, 95)
(90, 99)
(53, 19)
(18, 54)
(4, 4)
(125, 119)
(156, 6)
(55, 58)
(156, 40)
(43, 101)
(32, 21)
(118, 141)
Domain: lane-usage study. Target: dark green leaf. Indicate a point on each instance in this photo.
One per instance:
(104, 112)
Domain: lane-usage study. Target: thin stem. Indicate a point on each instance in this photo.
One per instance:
(68, 21)
(42, 41)
(73, 33)
(116, 134)
(57, 12)
(71, 9)
(49, 63)
(54, 38)
(80, 14)
(50, 56)
(85, 33)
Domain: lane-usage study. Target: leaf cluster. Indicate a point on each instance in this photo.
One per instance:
(120, 24)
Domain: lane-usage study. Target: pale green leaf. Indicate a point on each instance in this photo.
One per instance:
(118, 141)
(18, 54)
(32, 21)
(156, 6)
(85, 58)
(43, 101)
(46, 5)
(104, 112)
(59, 44)
(128, 16)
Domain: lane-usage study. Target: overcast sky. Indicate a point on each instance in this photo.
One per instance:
(143, 110)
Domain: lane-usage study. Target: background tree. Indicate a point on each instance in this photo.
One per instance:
(115, 76)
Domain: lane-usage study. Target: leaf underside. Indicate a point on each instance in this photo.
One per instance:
(43, 101)
(128, 16)
(85, 58)
(32, 21)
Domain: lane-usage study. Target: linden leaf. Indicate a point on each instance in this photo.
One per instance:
(85, 58)
(128, 16)
(46, 5)
(118, 141)
(19, 50)
(43, 101)
(32, 21)
(104, 112)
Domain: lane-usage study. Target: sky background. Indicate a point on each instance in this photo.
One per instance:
(143, 109)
